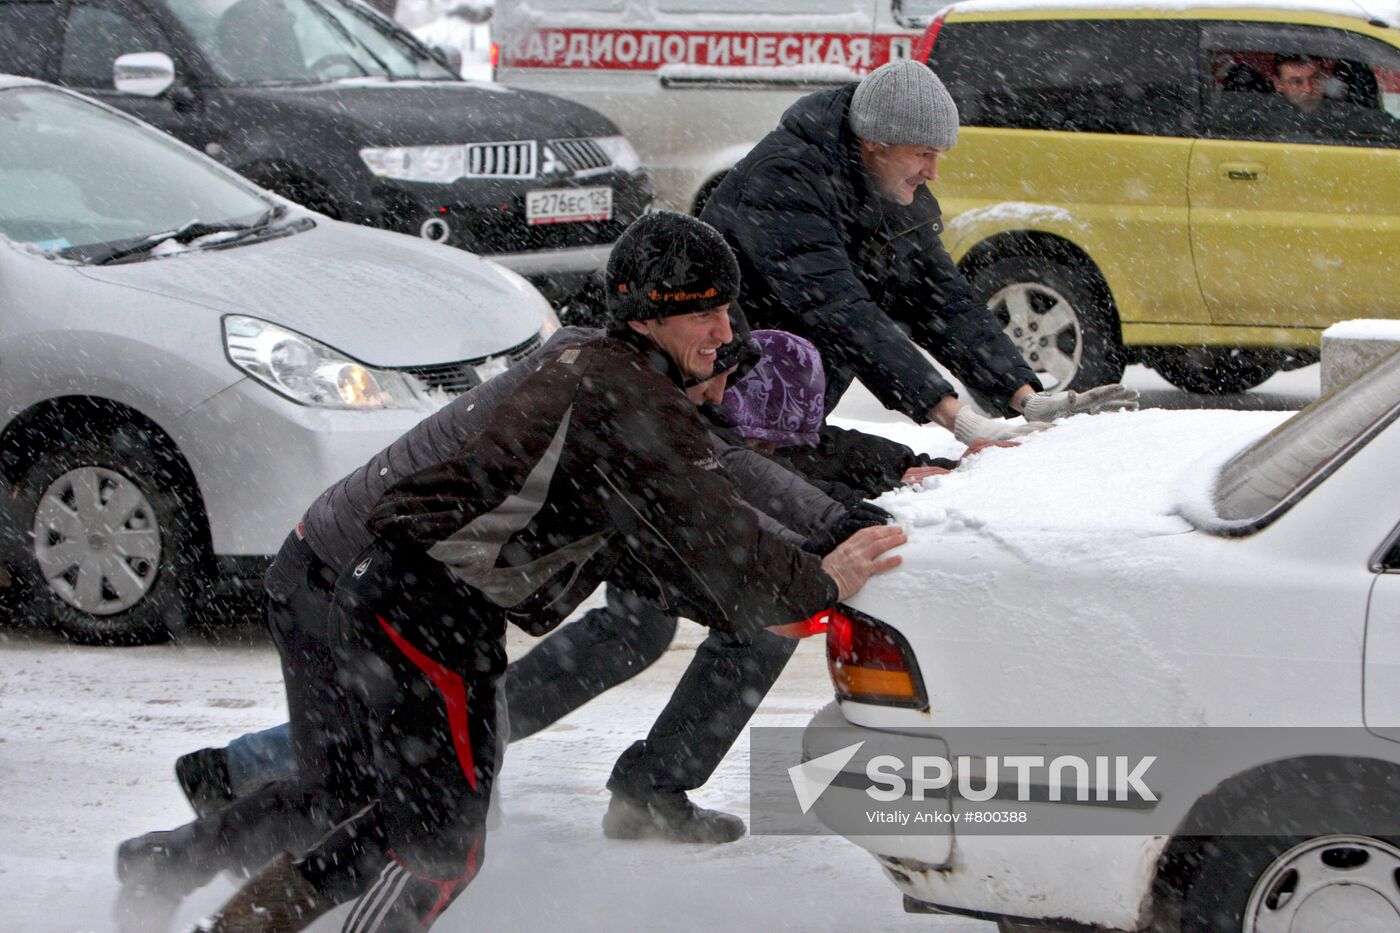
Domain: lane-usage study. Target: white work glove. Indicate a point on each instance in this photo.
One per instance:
(858, 558)
(1045, 407)
(969, 426)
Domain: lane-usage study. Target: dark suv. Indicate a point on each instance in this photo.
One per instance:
(334, 106)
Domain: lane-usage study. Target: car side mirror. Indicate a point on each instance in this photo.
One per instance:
(451, 56)
(148, 74)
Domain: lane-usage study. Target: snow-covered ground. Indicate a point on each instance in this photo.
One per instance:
(89, 736)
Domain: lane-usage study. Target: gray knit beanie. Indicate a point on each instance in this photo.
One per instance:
(904, 102)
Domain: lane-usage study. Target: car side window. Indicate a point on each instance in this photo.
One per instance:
(1301, 84)
(1390, 561)
(28, 35)
(96, 35)
(1104, 76)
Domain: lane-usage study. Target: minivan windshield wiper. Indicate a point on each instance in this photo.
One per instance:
(188, 233)
(334, 22)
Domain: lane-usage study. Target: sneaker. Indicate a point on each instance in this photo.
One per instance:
(203, 776)
(671, 817)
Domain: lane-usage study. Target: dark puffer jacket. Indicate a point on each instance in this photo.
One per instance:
(597, 468)
(868, 464)
(823, 255)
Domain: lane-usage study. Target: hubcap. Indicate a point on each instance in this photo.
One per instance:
(96, 540)
(1043, 325)
(1331, 884)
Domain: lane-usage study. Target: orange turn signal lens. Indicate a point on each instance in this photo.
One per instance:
(871, 662)
(871, 685)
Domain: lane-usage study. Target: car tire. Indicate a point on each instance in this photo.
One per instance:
(1290, 881)
(1213, 370)
(111, 541)
(1057, 322)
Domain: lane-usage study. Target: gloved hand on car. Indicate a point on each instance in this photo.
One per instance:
(861, 515)
(1044, 407)
(968, 426)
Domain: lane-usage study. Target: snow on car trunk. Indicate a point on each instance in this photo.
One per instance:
(1126, 473)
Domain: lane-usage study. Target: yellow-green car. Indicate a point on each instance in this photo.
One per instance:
(1203, 188)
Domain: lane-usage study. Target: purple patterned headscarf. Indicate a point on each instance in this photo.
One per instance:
(782, 399)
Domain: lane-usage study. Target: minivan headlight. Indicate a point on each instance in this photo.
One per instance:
(309, 372)
(441, 164)
(621, 152)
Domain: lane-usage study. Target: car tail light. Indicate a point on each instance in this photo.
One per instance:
(814, 624)
(871, 662)
(924, 47)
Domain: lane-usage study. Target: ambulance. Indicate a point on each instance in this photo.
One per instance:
(694, 84)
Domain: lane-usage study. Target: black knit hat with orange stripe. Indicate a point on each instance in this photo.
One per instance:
(668, 263)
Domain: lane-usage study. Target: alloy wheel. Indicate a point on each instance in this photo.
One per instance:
(1045, 328)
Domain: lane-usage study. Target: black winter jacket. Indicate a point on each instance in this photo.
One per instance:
(335, 526)
(868, 464)
(824, 255)
(598, 468)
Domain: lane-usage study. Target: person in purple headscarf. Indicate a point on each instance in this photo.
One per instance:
(778, 407)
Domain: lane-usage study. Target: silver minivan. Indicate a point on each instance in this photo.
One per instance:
(187, 361)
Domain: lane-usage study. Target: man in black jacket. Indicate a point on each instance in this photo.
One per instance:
(595, 467)
(836, 233)
(719, 691)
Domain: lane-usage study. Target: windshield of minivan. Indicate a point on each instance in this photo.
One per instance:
(1280, 466)
(73, 175)
(302, 42)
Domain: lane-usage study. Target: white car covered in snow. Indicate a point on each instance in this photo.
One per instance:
(1230, 576)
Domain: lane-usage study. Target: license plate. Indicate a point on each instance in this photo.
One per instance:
(568, 205)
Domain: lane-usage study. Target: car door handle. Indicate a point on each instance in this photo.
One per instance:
(1243, 171)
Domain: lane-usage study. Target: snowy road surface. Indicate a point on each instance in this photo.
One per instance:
(89, 736)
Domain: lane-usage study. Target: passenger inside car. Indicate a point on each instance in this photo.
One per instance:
(257, 41)
(1332, 101)
(1300, 80)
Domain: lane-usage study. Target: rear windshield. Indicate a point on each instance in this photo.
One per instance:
(1276, 470)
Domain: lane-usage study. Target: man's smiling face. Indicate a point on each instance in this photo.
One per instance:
(899, 169)
(690, 339)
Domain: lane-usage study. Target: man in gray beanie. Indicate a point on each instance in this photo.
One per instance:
(836, 233)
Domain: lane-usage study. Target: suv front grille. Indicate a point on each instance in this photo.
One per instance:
(501, 160)
(456, 378)
(580, 155)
